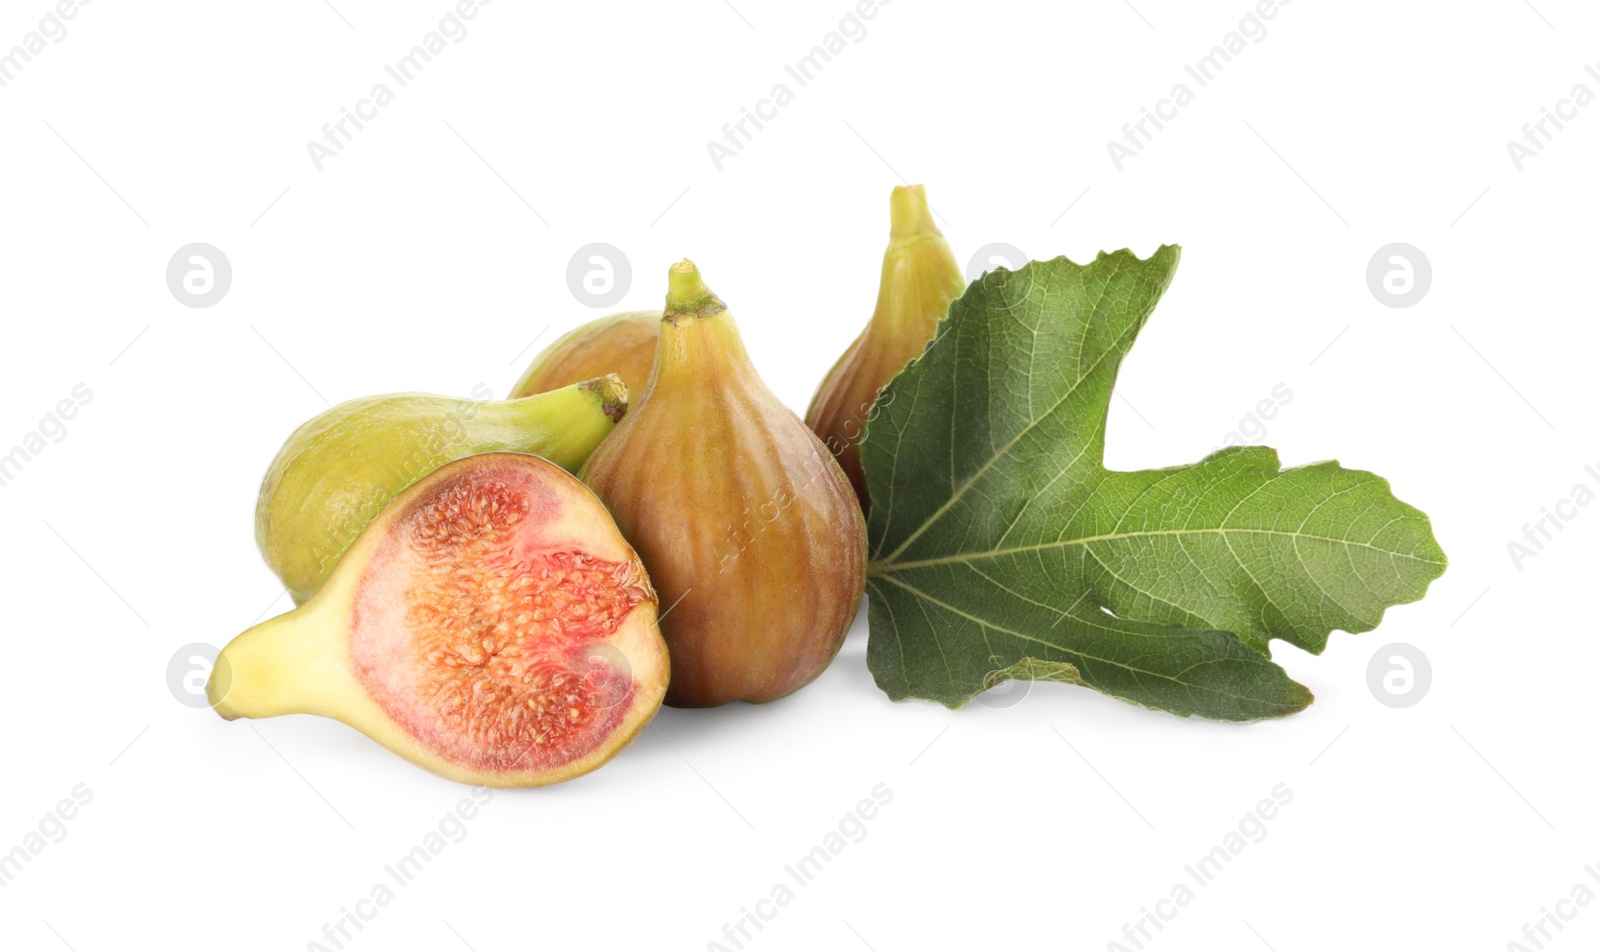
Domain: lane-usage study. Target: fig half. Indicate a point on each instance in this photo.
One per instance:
(920, 279)
(623, 344)
(336, 473)
(491, 625)
(747, 525)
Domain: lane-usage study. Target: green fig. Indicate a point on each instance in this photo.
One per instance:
(743, 519)
(623, 344)
(490, 625)
(337, 472)
(920, 279)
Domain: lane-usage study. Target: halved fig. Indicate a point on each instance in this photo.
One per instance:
(491, 625)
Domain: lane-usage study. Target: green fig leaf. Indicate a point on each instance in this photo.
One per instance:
(1002, 547)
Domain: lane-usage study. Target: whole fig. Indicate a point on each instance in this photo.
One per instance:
(337, 471)
(743, 519)
(920, 279)
(622, 344)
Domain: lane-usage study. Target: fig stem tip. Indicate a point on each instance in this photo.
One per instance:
(687, 292)
(910, 217)
(612, 393)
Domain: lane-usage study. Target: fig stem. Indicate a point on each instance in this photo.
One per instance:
(562, 425)
(910, 218)
(687, 294)
(612, 394)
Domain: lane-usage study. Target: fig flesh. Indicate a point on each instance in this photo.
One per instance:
(336, 472)
(623, 344)
(744, 520)
(920, 279)
(491, 625)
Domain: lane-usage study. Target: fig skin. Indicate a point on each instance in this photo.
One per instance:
(337, 471)
(306, 661)
(623, 344)
(748, 527)
(920, 279)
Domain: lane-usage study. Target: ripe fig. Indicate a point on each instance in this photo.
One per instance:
(623, 344)
(745, 522)
(336, 472)
(491, 625)
(920, 279)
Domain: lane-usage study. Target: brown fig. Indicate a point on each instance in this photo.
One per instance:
(623, 344)
(743, 519)
(920, 279)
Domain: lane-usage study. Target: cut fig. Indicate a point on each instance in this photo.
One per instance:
(491, 625)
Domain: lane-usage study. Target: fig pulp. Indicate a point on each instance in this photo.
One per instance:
(490, 625)
(334, 475)
(744, 520)
(920, 279)
(623, 344)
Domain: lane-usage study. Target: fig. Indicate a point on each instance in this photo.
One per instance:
(623, 344)
(491, 625)
(744, 520)
(336, 472)
(920, 279)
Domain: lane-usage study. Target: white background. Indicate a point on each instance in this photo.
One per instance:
(416, 260)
